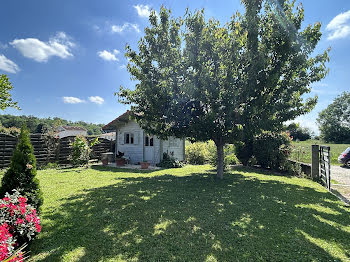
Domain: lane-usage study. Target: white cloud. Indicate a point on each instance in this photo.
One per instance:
(60, 45)
(125, 27)
(339, 27)
(7, 65)
(116, 52)
(143, 10)
(108, 56)
(97, 100)
(122, 66)
(72, 100)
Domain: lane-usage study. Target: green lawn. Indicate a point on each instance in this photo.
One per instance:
(103, 214)
(302, 151)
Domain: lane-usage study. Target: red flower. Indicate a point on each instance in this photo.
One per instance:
(22, 200)
(19, 221)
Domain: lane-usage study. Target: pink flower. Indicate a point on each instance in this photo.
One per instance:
(38, 228)
(6, 199)
(22, 200)
(19, 221)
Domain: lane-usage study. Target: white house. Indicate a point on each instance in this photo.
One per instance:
(109, 136)
(139, 146)
(64, 131)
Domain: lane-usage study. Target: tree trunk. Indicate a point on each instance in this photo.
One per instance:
(220, 159)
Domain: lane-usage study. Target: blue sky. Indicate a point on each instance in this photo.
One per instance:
(66, 58)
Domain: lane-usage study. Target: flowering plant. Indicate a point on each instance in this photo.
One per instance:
(7, 244)
(21, 218)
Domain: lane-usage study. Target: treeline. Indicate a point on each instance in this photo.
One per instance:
(42, 125)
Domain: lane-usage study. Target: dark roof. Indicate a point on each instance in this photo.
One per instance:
(122, 119)
(74, 128)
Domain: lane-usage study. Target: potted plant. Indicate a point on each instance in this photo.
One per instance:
(144, 165)
(119, 159)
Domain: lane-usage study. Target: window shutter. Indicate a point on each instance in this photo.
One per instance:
(136, 138)
(121, 138)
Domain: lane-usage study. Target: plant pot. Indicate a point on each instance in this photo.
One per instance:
(120, 161)
(105, 162)
(144, 165)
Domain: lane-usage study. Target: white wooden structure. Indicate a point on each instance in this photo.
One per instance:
(64, 131)
(138, 146)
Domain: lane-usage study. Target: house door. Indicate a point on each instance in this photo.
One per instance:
(149, 149)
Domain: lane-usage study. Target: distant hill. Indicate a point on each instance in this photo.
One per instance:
(40, 125)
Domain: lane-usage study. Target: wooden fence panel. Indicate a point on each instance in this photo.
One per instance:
(47, 151)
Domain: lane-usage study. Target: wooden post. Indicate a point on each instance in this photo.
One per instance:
(315, 162)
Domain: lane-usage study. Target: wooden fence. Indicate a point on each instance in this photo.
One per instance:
(48, 149)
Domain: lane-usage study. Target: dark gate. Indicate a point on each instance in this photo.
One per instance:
(325, 166)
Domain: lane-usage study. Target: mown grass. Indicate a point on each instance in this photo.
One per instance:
(302, 150)
(105, 214)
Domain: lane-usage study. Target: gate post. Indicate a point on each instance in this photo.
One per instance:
(315, 162)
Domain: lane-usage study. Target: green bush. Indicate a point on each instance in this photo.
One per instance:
(169, 161)
(197, 153)
(53, 165)
(230, 157)
(80, 151)
(244, 152)
(271, 150)
(14, 131)
(21, 175)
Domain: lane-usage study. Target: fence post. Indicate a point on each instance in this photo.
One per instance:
(315, 162)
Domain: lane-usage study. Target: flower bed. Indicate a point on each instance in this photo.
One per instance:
(19, 224)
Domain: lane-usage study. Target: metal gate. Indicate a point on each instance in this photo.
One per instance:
(325, 166)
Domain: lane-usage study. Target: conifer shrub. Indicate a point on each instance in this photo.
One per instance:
(21, 175)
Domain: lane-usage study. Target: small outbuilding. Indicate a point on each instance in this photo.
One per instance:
(138, 146)
(64, 131)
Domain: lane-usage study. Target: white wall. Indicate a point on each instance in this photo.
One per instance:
(133, 151)
(136, 151)
(175, 145)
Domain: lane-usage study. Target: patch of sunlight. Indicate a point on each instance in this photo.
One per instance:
(128, 205)
(243, 221)
(138, 239)
(211, 258)
(43, 255)
(329, 246)
(162, 226)
(108, 231)
(74, 255)
(332, 223)
(128, 232)
(217, 245)
(319, 208)
(148, 197)
(195, 229)
(190, 219)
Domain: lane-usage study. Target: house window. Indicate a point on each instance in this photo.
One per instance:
(129, 138)
(148, 141)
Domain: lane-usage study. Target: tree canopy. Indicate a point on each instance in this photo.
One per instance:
(199, 79)
(5, 95)
(42, 125)
(334, 121)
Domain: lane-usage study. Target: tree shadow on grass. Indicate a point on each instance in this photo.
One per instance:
(124, 170)
(197, 218)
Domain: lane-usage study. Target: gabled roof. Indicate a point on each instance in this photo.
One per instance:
(120, 120)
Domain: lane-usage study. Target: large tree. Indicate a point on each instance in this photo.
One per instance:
(334, 121)
(5, 95)
(199, 79)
